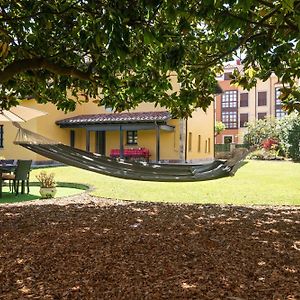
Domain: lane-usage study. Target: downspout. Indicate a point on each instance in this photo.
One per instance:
(214, 123)
(255, 103)
(186, 141)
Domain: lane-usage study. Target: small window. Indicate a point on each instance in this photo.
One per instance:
(279, 112)
(131, 137)
(261, 116)
(1, 136)
(277, 95)
(243, 99)
(228, 139)
(227, 76)
(208, 145)
(262, 98)
(190, 141)
(72, 138)
(243, 120)
(199, 143)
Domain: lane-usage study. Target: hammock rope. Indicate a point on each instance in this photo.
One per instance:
(128, 169)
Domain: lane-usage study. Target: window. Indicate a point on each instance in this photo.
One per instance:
(243, 120)
(208, 145)
(277, 94)
(131, 137)
(228, 139)
(261, 116)
(72, 138)
(199, 143)
(243, 99)
(230, 109)
(190, 141)
(229, 99)
(1, 136)
(227, 76)
(262, 98)
(279, 112)
(229, 118)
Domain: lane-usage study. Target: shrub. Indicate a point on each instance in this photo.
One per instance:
(219, 127)
(262, 130)
(290, 135)
(270, 144)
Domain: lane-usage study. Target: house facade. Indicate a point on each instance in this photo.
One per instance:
(146, 132)
(236, 106)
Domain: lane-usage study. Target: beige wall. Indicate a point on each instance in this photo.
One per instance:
(200, 130)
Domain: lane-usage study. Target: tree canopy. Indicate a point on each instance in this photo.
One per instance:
(122, 52)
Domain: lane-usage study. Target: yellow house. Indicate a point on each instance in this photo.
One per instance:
(99, 130)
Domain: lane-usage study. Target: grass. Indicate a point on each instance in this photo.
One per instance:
(257, 182)
(34, 194)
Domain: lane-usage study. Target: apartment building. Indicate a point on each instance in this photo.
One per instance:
(236, 106)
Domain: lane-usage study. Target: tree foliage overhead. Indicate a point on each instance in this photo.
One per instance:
(125, 50)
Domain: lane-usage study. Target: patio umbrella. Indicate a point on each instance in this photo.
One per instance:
(20, 114)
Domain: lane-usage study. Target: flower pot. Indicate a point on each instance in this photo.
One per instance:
(47, 192)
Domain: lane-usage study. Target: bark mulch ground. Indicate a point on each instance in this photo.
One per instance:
(100, 249)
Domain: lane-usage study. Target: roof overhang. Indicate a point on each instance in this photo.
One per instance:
(119, 121)
(138, 126)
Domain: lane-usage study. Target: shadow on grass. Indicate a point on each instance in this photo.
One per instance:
(65, 189)
(8, 197)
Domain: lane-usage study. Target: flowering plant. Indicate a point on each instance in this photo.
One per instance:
(270, 144)
(46, 180)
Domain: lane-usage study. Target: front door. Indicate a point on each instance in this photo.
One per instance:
(100, 142)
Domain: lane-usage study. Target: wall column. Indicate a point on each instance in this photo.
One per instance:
(157, 142)
(121, 143)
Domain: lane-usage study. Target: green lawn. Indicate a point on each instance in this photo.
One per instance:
(34, 194)
(257, 182)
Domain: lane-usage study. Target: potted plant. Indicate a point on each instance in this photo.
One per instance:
(48, 184)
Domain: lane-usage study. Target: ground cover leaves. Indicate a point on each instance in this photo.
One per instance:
(120, 250)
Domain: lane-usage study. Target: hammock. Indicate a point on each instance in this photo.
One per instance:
(128, 169)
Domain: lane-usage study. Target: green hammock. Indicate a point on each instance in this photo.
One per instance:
(128, 169)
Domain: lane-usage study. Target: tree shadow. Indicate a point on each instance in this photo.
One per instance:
(163, 251)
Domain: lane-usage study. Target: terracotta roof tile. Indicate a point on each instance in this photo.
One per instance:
(116, 118)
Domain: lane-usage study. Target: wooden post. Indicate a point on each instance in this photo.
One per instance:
(87, 143)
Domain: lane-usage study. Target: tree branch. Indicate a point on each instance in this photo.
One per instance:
(26, 17)
(23, 65)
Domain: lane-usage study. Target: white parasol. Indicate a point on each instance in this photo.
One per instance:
(20, 114)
